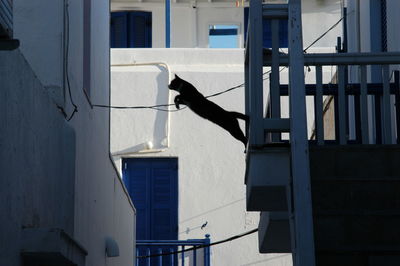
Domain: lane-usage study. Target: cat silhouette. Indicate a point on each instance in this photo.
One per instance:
(191, 97)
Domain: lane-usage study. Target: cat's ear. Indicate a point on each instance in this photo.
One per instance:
(176, 76)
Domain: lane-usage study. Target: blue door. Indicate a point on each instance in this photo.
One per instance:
(153, 187)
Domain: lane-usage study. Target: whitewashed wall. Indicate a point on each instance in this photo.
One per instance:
(187, 20)
(41, 37)
(102, 207)
(317, 17)
(211, 162)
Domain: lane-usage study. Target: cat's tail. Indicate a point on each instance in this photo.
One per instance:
(241, 116)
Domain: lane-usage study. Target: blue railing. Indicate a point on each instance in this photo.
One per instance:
(173, 252)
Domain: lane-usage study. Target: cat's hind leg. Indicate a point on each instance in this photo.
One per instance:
(240, 116)
(237, 133)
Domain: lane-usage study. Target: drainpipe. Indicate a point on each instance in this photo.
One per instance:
(149, 149)
(195, 30)
(167, 23)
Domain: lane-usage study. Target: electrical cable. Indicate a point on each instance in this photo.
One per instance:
(201, 246)
(68, 118)
(156, 107)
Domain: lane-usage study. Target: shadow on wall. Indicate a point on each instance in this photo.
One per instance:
(161, 122)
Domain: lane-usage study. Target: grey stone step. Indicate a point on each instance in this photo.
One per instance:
(355, 161)
(357, 259)
(274, 233)
(357, 233)
(267, 179)
(358, 194)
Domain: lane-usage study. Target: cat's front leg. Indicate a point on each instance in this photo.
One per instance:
(177, 101)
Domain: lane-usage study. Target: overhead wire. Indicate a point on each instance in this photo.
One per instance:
(67, 28)
(158, 107)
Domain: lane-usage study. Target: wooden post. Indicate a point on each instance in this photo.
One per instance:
(303, 220)
(255, 73)
(274, 82)
(319, 107)
(364, 105)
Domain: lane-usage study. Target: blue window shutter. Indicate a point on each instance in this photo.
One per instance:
(267, 33)
(164, 200)
(267, 41)
(118, 30)
(152, 184)
(283, 34)
(139, 29)
(137, 178)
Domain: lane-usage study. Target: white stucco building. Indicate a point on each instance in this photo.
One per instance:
(62, 201)
(211, 163)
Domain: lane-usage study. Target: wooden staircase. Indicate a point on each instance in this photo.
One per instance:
(326, 204)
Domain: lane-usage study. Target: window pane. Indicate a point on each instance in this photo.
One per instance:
(223, 36)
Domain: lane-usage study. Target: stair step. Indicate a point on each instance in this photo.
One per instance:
(318, 213)
(267, 178)
(366, 233)
(356, 259)
(274, 233)
(355, 161)
(356, 194)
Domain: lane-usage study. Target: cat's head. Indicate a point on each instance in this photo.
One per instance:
(176, 84)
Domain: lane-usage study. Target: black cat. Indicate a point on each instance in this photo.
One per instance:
(192, 98)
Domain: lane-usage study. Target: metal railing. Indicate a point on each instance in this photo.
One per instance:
(173, 252)
(6, 18)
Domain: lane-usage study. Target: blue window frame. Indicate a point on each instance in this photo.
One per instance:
(152, 184)
(267, 35)
(223, 36)
(131, 29)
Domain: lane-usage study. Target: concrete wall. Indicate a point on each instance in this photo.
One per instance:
(37, 158)
(317, 17)
(190, 22)
(98, 206)
(39, 27)
(393, 20)
(360, 28)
